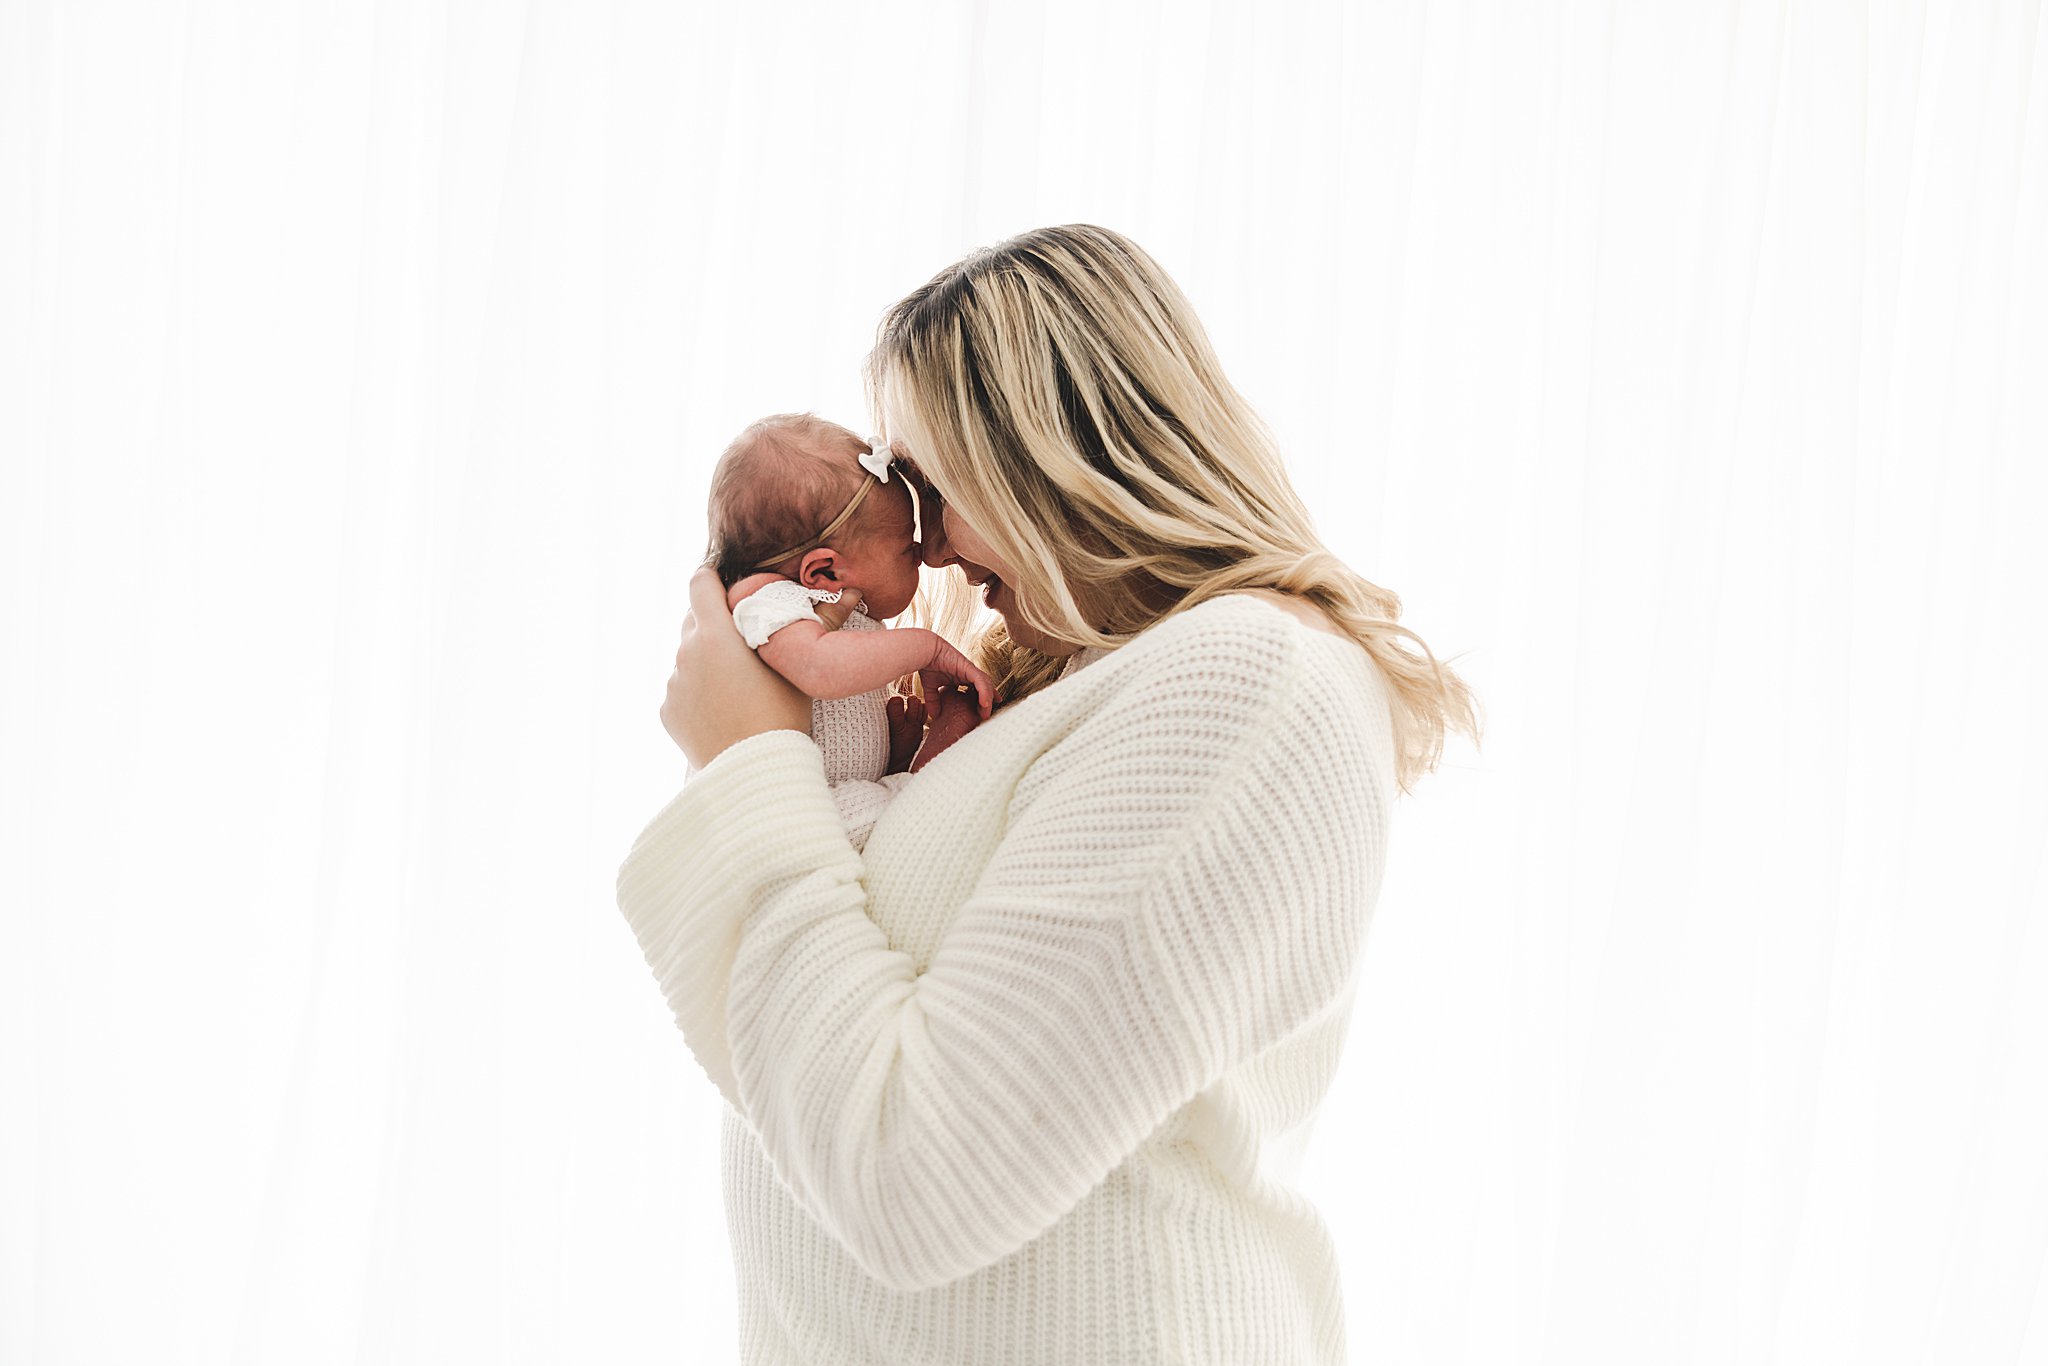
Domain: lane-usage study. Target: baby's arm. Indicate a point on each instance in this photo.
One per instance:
(830, 663)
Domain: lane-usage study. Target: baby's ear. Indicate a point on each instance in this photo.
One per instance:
(818, 570)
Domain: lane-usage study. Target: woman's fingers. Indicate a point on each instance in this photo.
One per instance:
(948, 667)
(960, 678)
(707, 596)
(949, 692)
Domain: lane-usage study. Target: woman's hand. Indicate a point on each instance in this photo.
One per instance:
(721, 693)
(921, 730)
(950, 716)
(917, 735)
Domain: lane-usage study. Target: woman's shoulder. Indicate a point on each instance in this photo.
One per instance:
(1212, 662)
(1219, 665)
(1302, 610)
(1232, 690)
(1231, 693)
(1256, 629)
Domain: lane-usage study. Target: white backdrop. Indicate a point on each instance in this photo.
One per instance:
(1685, 367)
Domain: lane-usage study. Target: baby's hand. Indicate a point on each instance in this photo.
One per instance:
(948, 666)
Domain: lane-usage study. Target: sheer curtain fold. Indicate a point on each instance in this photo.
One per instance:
(361, 367)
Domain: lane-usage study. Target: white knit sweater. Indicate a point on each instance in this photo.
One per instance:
(1028, 1081)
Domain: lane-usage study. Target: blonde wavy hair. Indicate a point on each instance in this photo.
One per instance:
(1060, 391)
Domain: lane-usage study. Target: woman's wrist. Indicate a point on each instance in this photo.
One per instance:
(739, 750)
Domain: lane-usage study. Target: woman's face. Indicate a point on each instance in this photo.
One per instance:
(949, 540)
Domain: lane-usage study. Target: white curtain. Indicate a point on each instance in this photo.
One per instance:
(1684, 367)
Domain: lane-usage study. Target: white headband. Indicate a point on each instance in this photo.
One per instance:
(877, 460)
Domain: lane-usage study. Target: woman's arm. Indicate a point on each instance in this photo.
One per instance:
(861, 803)
(1183, 881)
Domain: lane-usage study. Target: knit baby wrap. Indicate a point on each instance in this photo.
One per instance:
(1027, 1081)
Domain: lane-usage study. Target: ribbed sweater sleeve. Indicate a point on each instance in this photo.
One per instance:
(1181, 884)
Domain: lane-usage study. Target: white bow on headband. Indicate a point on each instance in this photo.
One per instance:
(877, 460)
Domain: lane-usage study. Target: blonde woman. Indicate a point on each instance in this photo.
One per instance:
(1028, 1079)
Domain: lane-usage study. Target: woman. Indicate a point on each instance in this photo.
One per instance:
(1028, 1081)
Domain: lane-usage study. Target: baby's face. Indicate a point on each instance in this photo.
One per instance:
(883, 561)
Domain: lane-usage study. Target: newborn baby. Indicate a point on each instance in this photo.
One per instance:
(816, 544)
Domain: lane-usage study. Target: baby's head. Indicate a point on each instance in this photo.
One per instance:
(781, 482)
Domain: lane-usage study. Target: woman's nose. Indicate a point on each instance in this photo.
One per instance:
(937, 554)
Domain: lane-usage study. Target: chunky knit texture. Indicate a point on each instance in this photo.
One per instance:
(1028, 1081)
